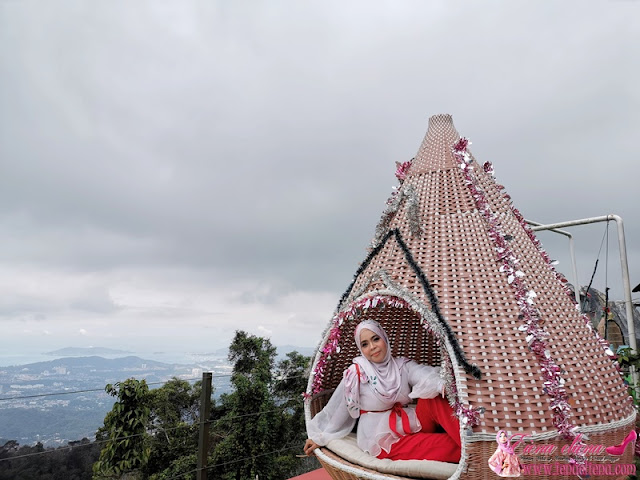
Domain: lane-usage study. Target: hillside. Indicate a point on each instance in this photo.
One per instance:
(64, 399)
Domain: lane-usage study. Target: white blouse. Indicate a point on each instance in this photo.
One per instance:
(374, 433)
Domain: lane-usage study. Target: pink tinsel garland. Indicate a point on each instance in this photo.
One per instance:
(536, 335)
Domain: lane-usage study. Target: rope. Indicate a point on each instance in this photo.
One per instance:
(606, 287)
(595, 267)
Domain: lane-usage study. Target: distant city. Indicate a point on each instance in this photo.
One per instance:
(62, 400)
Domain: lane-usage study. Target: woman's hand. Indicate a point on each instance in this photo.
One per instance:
(310, 446)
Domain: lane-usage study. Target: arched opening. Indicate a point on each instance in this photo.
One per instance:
(409, 336)
(407, 333)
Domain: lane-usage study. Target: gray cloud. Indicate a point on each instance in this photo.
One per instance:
(257, 141)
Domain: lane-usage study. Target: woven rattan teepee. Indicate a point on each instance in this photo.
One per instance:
(458, 279)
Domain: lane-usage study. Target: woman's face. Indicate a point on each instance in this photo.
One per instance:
(503, 437)
(373, 346)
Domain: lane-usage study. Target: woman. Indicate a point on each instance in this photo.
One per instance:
(504, 461)
(377, 389)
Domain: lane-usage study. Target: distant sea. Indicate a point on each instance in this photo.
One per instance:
(7, 360)
(185, 358)
(22, 359)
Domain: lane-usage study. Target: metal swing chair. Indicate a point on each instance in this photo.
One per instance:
(459, 280)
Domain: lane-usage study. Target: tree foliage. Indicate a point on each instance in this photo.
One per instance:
(250, 425)
(65, 463)
(258, 424)
(125, 429)
(628, 359)
(291, 381)
(174, 419)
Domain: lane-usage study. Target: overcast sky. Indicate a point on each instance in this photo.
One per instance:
(173, 171)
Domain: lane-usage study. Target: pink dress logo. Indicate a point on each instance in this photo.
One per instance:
(504, 461)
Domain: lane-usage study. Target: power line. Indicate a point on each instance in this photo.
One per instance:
(55, 394)
(95, 442)
(209, 467)
(100, 442)
(69, 447)
(281, 409)
(289, 447)
(94, 390)
(46, 452)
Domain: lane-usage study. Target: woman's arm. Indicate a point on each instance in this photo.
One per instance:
(495, 462)
(424, 380)
(332, 422)
(310, 446)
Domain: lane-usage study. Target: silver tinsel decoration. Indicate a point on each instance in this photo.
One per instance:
(393, 203)
(413, 211)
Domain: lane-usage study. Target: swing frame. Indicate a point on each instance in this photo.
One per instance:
(624, 268)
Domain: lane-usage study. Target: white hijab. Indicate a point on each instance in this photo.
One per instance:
(384, 378)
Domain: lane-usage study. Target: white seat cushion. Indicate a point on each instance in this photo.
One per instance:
(348, 449)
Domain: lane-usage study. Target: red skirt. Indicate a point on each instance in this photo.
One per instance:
(438, 439)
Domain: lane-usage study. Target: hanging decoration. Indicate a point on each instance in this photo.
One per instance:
(561, 279)
(393, 204)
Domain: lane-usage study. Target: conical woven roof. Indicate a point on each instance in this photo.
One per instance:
(452, 248)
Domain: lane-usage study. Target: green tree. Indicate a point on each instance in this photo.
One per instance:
(290, 381)
(174, 423)
(124, 430)
(43, 463)
(251, 426)
(627, 358)
(182, 468)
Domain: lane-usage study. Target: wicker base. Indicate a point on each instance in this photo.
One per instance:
(349, 471)
(479, 453)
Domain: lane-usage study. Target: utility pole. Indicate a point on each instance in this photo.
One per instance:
(203, 438)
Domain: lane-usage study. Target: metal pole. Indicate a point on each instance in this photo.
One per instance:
(574, 265)
(622, 246)
(203, 438)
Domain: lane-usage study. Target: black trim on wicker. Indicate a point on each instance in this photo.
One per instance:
(470, 369)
